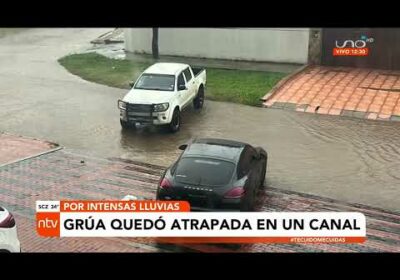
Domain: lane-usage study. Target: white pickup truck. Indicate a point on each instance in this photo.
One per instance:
(160, 94)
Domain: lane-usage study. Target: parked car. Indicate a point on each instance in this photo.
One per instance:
(160, 94)
(215, 174)
(8, 232)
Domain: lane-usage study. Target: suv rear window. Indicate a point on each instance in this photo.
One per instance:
(204, 171)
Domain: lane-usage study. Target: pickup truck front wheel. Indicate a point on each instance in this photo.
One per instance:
(199, 100)
(175, 123)
(124, 124)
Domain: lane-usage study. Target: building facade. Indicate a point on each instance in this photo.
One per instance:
(367, 47)
(280, 45)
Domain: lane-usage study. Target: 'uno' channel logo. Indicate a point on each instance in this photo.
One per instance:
(352, 47)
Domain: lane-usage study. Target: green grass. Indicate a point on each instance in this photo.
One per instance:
(239, 86)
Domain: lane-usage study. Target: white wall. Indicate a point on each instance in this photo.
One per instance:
(288, 45)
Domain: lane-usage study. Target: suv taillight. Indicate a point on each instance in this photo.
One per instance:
(8, 222)
(165, 184)
(236, 192)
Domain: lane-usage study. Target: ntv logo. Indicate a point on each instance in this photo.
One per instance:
(361, 43)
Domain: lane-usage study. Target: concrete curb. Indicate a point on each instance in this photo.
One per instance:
(108, 33)
(306, 108)
(282, 82)
(108, 38)
(31, 157)
(30, 138)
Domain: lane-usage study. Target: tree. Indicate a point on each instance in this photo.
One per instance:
(154, 43)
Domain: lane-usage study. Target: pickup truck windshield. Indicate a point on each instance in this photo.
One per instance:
(156, 82)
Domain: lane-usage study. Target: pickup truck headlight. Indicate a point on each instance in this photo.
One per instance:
(121, 105)
(161, 107)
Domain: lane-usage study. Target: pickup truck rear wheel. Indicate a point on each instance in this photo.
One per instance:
(199, 100)
(175, 124)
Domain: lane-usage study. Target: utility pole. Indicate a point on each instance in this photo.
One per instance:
(154, 43)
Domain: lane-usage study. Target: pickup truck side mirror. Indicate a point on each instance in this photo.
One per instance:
(182, 87)
(131, 84)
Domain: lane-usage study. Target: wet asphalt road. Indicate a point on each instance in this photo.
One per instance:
(348, 159)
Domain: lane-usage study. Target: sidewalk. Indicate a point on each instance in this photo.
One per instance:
(65, 174)
(116, 51)
(354, 92)
(219, 63)
(111, 45)
(13, 147)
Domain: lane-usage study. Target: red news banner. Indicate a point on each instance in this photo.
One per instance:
(48, 212)
(350, 52)
(172, 221)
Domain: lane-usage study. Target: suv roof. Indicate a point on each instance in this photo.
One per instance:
(166, 68)
(215, 148)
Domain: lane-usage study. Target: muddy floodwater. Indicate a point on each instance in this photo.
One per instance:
(342, 158)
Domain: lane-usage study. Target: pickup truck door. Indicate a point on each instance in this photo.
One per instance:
(190, 84)
(181, 93)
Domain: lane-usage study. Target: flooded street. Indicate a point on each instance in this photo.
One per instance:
(342, 158)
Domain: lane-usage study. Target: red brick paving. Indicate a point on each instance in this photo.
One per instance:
(340, 90)
(14, 147)
(74, 176)
(113, 179)
(30, 242)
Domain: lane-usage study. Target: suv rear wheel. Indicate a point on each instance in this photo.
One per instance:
(263, 173)
(247, 205)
